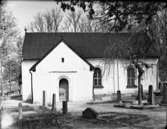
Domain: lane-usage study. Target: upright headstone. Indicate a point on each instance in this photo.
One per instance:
(151, 97)
(142, 94)
(118, 96)
(164, 97)
(139, 95)
(65, 107)
(20, 111)
(43, 98)
(54, 102)
(20, 116)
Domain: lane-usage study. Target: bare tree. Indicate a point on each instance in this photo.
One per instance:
(158, 32)
(118, 14)
(46, 22)
(113, 53)
(79, 21)
(133, 48)
(72, 21)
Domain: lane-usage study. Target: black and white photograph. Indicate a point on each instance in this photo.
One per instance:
(83, 64)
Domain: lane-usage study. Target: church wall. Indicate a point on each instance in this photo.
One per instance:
(112, 80)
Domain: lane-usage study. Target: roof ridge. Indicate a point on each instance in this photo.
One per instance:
(78, 32)
(86, 44)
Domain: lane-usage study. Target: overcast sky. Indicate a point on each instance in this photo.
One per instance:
(24, 11)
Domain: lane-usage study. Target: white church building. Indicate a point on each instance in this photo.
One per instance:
(74, 67)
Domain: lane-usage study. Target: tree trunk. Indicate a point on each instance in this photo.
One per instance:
(93, 91)
(118, 74)
(114, 77)
(139, 91)
(1, 80)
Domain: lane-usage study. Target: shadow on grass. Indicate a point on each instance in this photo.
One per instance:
(59, 121)
(114, 119)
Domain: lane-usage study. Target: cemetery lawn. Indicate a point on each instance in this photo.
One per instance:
(110, 117)
(120, 118)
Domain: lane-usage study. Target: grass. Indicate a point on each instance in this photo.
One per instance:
(59, 121)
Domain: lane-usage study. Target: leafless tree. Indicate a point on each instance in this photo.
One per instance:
(46, 22)
(78, 21)
(72, 21)
(158, 32)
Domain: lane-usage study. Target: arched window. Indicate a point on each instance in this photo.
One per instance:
(97, 78)
(131, 77)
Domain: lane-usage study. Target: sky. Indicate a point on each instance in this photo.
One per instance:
(24, 11)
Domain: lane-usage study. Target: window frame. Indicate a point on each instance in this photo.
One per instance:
(131, 71)
(97, 78)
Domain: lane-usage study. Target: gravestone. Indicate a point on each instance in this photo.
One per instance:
(65, 107)
(54, 102)
(89, 113)
(20, 111)
(43, 98)
(151, 97)
(118, 96)
(140, 94)
(164, 97)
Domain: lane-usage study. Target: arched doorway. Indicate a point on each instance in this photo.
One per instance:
(63, 90)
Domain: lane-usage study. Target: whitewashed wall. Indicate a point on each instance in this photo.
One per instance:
(110, 74)
(150, 77)
(50, 70)
(26, 78)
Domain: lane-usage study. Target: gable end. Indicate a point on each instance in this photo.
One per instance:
(33, 68)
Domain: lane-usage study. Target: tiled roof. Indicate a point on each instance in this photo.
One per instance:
(87, 45)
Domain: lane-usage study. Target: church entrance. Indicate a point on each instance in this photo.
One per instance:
(63, 90)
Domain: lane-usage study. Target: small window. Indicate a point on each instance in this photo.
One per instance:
(62, 60)
(131, 77)
(97, 78)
